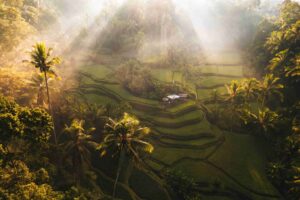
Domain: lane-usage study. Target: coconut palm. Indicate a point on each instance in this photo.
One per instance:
(215, 99)
(77, 146)
(125, 137)
(37, 83)
(270, 86)
(233, 96)
(41, 59)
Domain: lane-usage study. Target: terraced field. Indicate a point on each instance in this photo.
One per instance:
(226, 165)
(214, 78)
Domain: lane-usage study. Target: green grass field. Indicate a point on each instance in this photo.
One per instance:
(187, 141)
(222, 57)
(166, 75)
(235, 70)
(212, 81)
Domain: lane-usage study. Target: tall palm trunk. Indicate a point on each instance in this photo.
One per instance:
(49, 106)
(120, 163)
(40, 100)
(231, 119)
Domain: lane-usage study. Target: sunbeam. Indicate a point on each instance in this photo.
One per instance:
(149, 99)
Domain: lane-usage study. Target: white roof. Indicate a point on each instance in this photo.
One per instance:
(173, 97)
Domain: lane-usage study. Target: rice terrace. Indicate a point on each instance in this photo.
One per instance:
(149, 99)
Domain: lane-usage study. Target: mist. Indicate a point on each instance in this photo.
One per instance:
(220, 27)
(218, 23)
(149, 99)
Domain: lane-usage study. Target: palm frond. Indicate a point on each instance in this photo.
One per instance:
(146, 146)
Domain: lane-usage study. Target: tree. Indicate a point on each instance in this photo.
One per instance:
(126, 138)
(41, 59)
(284, 170)
(263, 122)
(18, 182)
(38, 84)
(293, 72)
(77, 146)
(270, 86)
(13, 27)
(250, 89)
(14, 85)
(37, 125)
(135, 78)
(18, 20)
(185, 187)
(233, 91)
(32, 124)
(215, 99)
(234, 98)
(258, 56)
(275, 49)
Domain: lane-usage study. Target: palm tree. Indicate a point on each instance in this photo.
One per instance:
(270, 86)
(77, 146)
(126, 138)
(37, 83)
(233, 91)
(215, 100)
(41, 59)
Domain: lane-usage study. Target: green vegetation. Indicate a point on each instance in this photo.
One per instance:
(40, 58)
(126, 137)
(18, 19)
(139, 108)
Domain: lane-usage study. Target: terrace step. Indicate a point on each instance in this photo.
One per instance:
(153, 110)
(98, 80)
(175, 119)
(171, 125)
(190, 143)
(201, 135)
(173, 145)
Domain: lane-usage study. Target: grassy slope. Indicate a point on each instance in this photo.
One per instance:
(240, 156)
(215, 81)
(252, 152)
(223, 70)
